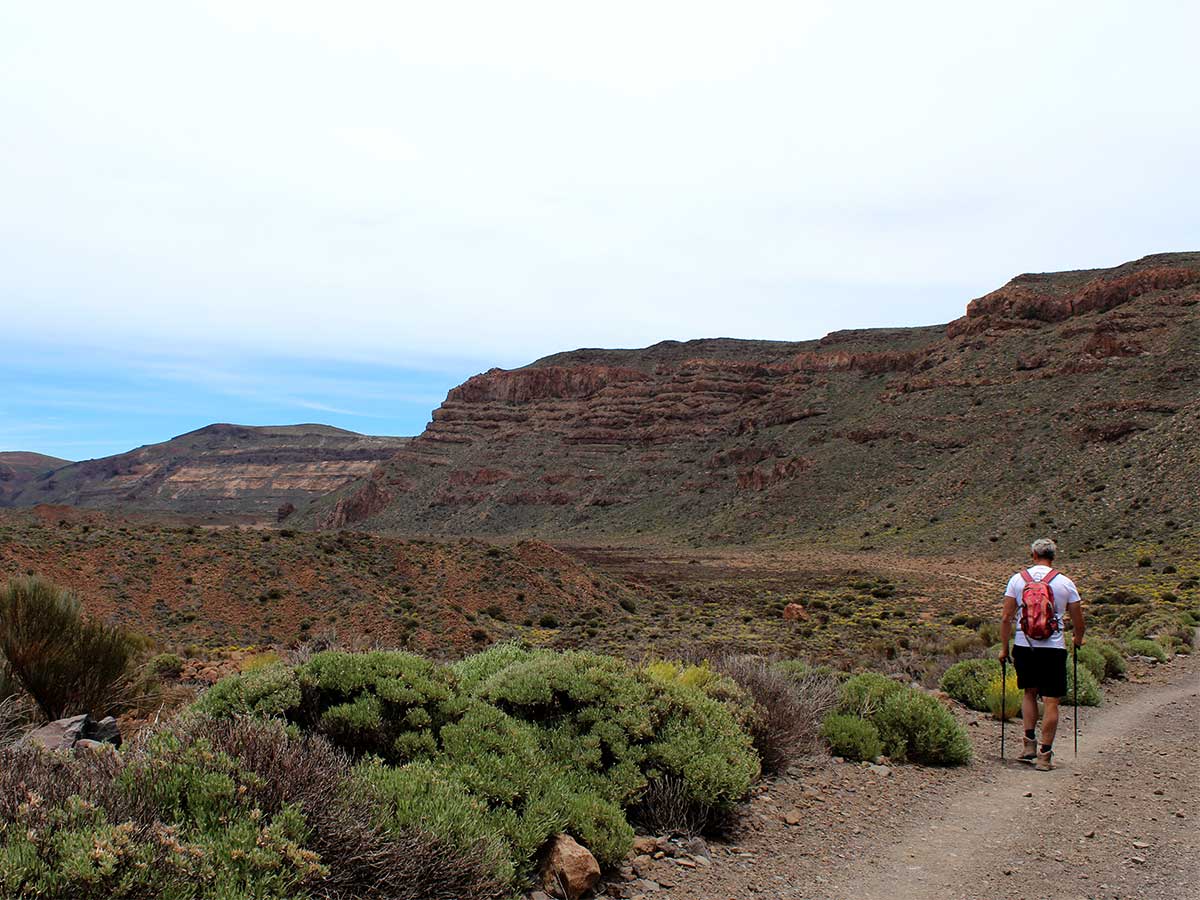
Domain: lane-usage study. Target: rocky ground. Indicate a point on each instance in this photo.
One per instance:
(1117, 822)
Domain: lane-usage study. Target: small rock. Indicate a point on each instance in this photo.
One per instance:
(697, 847)
(644, 845)
(794, 612)
(876, 769)
(1179, 814)
(1028, 793)
(686, 863)
(570, 870)
(540, 895)
(1137, 859)
(793, 817)
(1091, 834)
(1140, 845)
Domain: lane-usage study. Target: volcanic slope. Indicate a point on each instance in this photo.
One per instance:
(217, 586)
(217, 473)
(18, 468)
(1062, 403)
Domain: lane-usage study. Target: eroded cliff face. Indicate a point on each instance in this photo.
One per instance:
(1047, 387)
(218, 473)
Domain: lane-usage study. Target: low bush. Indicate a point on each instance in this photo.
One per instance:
(851, 737)
(1114, 659)
(1091, 659)
(916, 727)
(510, 746)
(968, 681)
(863, 694)
(1146, 647)
(781, 709)
(168, 665)
(621, 728)
(67, 663)
(211, 810)
(1090, 693)
(1003, 695)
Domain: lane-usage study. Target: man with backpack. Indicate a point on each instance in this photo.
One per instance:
(1037, 599)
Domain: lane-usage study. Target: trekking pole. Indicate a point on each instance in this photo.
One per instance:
(1075, 693)
(1003, 702)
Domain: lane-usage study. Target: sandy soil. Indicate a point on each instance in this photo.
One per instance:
(1118, 822)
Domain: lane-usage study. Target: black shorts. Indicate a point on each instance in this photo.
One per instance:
(1041, 668)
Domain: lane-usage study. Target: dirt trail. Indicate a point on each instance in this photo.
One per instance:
(1109, 814)
(1122, 821)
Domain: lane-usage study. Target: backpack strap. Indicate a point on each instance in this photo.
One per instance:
(1049, 577)
(1026, 576)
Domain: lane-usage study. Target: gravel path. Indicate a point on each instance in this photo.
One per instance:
(1121, 821)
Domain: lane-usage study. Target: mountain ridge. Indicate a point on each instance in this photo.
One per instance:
(219, 472)
(720, 440)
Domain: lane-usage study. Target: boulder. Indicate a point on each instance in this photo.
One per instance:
(106, 731)
(794, 612)
(66, 734)
(60, 734)
(570, 870)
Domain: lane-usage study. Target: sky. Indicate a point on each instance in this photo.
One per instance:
(275, 212)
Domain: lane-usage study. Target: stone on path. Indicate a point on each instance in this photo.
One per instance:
(570, 870)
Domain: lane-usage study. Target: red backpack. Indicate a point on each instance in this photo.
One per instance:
(1039, 620)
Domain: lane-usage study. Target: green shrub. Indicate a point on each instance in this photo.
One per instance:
(1146, 647)
(510, 746)
(67, 663)
(1089, 688)
(864, 694)
(1114, 659)
(916, 727)
(212, 810)
(851, 737)
(1091, 659)
(968, 681)
(270, 692)
(418, 795)
(167, 664)
(621, 724)
(1004, 693)
(623, 728)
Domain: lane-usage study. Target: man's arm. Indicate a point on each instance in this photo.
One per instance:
(1076, 611)
(1006, 619)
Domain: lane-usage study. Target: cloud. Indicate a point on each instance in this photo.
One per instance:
(433, 189)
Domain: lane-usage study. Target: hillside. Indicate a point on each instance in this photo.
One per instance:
(1062, 402)
(19, 468)
(217, 473)
(230, 585)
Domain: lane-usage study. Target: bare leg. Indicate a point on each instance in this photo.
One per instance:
(1050, 722)
(1029, 709)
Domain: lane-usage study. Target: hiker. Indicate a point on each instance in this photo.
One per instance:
(1036, 599)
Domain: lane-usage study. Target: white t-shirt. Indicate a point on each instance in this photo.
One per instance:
(1065, 593)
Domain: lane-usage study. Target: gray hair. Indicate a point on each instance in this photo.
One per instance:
(1044, 548)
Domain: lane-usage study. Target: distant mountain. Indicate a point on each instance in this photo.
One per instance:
(217, 473)
(18, 468)
(1063, 403)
